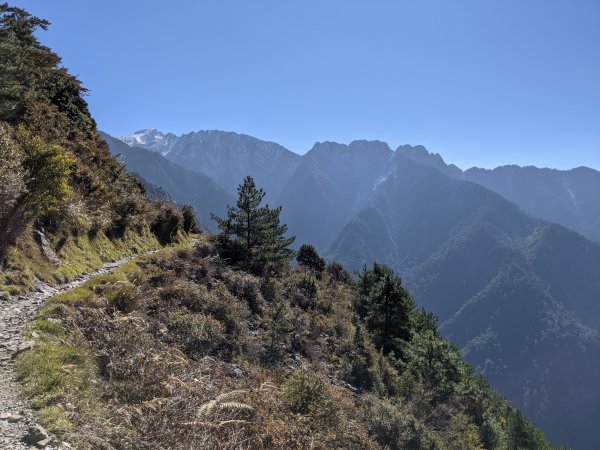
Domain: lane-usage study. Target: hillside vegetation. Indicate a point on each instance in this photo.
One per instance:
(187, 350)
(227, 345)
(56, 173)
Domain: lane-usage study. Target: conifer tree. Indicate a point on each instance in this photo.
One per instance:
(386, 307)
(255, 228)
(309, 257)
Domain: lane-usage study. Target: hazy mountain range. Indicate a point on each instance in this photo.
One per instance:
(184, 186)
(518, 294)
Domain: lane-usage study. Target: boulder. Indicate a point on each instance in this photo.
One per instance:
(45, 247)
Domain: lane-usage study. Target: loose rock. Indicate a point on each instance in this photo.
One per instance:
(11, 418)
(35, 434)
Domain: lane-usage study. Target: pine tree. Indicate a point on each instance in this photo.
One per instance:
(309, 257)
(274, 245)
(386, 307)
(255, 228)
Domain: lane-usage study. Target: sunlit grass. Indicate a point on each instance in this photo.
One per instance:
(58, 375)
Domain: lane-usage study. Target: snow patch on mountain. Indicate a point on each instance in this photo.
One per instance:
(151, 139)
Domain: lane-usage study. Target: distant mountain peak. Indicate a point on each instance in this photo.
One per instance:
(355, 147)
(149, 131)
(420, 154)
(151, 139)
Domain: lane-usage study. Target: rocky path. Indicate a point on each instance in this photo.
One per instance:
(18, 427)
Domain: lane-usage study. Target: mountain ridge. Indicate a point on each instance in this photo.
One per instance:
(225, 156)
(561, 196)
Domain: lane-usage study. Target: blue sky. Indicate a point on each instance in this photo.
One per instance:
(482, 82)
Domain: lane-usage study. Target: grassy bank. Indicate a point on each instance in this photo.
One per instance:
(25, 262)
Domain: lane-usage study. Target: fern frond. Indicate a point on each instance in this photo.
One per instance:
(230, 395)
(233, 421)
(206, 408)
(235, 406)
(225, 401)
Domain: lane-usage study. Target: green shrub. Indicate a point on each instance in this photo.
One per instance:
(308, 287)
(307, 393)
(34, 181)
(205, 247)
(69, 221)
(47, 170)
(435, 362)
(232, 251)
(196, 333)
(463, 434)
(190, 224)
(217, 303)
(184, 293)
(245, 287)
(123, 299)
(126, 209)
(395, 428)
(522, 434)
(268, 289)
(337, 272)
(280, 325)
(167, 222)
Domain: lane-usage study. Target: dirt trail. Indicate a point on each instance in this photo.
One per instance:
(18, 427)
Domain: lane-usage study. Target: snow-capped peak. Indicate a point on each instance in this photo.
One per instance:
(151, 139)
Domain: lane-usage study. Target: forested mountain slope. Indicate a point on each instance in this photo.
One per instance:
(186, 349)
(506, 288)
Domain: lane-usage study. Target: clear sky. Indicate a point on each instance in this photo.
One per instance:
(483, 82)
